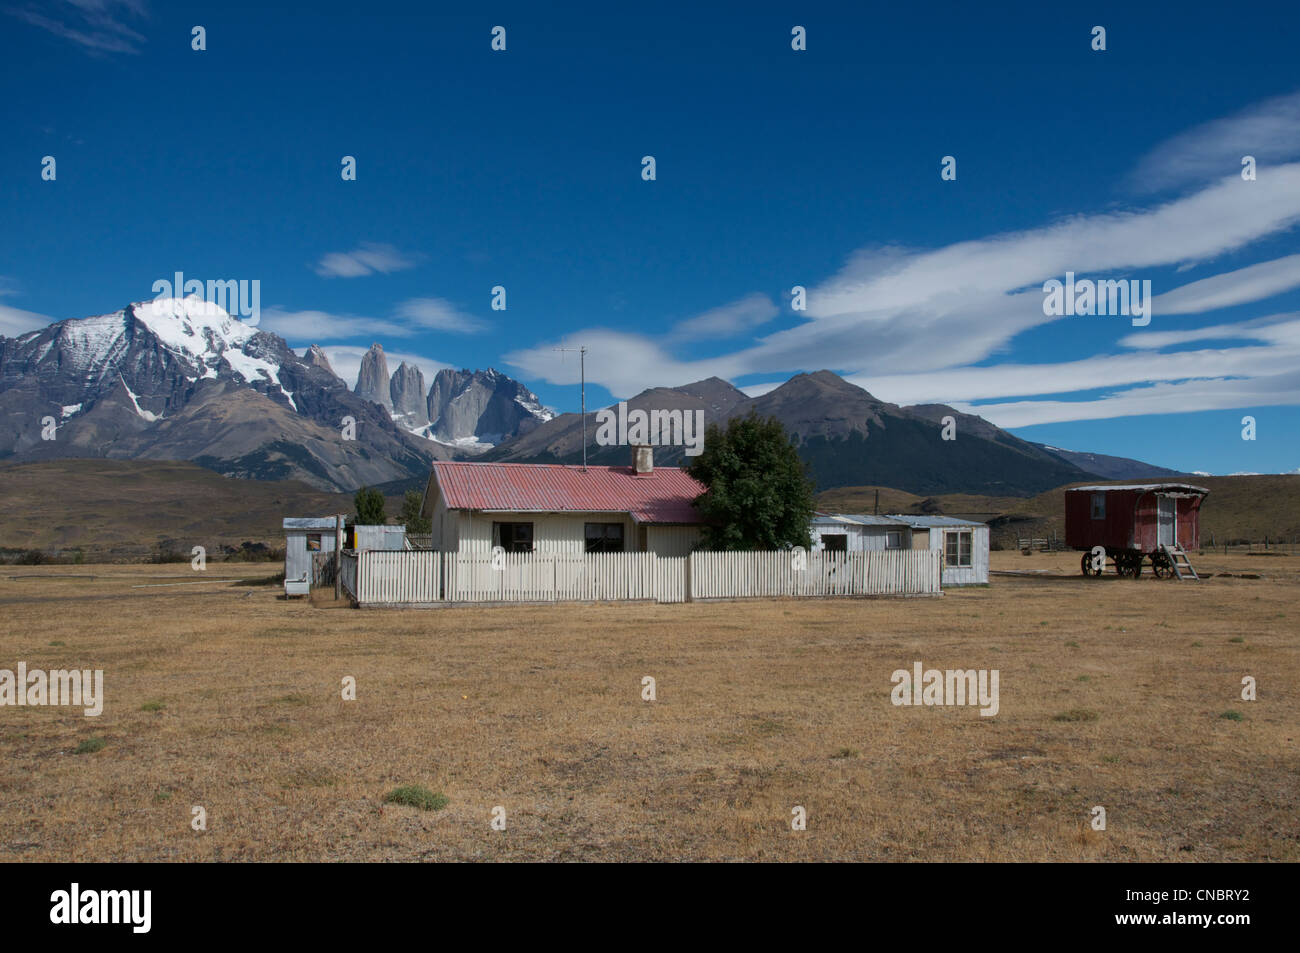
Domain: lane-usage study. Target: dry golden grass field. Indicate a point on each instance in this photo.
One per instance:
(1113, 693)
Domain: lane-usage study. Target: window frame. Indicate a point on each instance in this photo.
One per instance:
(1099, 506)
(954, 560)
(515, 544)
(841, 544)
(604, 537)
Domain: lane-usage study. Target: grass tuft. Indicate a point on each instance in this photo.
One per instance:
(417, 795)
(90, 746)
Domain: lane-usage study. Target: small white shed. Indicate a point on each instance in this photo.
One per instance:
(856, 534)
(304, 537)
(964, 544)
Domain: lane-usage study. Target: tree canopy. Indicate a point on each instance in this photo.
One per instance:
(369, 504)
(758, 494)
(410, 515)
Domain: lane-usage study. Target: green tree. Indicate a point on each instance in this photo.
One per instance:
(370, 507)
(758, 494)
(415, 523)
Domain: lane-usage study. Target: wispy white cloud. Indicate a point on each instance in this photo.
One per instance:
(1162, 398)
(1244, 285)
(730, 320)
(15, 321)
(317, 326)
(367, 259)
(97, 26)
(412, 317)
(437, 314)
(1265, 130)
(921, 325)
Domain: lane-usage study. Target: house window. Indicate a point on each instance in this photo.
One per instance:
(835, 542)
(957, 548)
(1099, 506)
(604, 537)
(313, 542)
(513, 537)
(894, 539)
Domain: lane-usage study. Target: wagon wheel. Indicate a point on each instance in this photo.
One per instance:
(1086, 565)
(1129, 564)
(1162, 565)
(1132, 565)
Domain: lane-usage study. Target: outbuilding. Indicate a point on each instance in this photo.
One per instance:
(561, 508)
(963, 543)
(304, 538)
(843, 533)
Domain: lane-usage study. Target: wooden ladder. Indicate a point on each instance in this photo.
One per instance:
(1182, 565)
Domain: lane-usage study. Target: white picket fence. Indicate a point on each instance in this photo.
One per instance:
(538, 577)
(394, 577)
(424, 577)
(739, 575)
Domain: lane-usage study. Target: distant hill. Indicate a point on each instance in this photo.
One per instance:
(126, 509)
(1112, 468)
(845, 435)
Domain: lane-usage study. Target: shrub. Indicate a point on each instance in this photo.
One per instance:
(417, 795)
(90, 745)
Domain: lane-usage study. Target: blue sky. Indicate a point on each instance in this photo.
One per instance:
(775, 168)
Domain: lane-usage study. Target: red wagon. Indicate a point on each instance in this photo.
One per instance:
(1134, 523)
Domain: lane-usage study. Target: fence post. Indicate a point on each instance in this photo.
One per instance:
(338, 555)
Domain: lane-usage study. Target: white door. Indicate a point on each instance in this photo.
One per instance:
(1166, 530)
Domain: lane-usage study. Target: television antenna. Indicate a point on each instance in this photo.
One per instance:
(582, 365)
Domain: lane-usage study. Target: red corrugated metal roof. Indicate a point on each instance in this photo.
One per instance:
(664, 496)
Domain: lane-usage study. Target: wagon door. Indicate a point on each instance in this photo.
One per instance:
(1166, 530)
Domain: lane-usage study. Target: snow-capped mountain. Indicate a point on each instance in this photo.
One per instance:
(181, 379)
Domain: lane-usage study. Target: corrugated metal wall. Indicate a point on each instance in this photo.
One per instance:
(297, 557)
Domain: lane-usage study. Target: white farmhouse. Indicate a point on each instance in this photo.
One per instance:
(562, 509)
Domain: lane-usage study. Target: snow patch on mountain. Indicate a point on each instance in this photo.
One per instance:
(537, 409)
(193, 327)
(148, 415)
(92, 343)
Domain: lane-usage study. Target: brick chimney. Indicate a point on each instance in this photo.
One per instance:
(643, 459)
